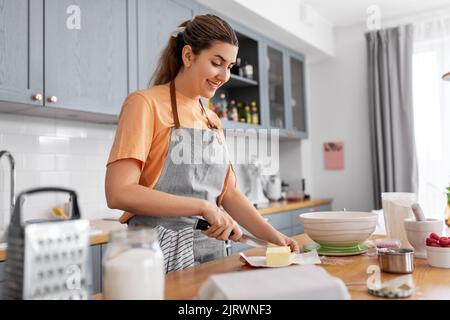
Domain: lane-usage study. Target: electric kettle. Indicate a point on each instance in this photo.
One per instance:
(273, 188)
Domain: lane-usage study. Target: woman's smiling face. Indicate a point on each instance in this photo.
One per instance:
(210, 69)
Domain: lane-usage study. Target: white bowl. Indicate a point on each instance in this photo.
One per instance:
(418, 231)
(339, 228)
(438, 257)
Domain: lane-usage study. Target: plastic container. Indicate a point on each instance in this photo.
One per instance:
(438, 257)
(387, 243)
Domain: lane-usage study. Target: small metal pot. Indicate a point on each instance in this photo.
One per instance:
(396, 260)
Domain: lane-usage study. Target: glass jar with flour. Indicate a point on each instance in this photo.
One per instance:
(133, 266)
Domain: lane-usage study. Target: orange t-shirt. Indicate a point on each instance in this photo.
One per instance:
(143, 132)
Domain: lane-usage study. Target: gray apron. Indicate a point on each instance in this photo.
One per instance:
(196, 166)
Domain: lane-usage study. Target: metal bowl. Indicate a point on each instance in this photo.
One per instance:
(396, 260)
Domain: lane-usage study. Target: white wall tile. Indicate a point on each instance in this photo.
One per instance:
(12, 123)
(70, 129)
(48, 144)
(37, 162)
(61, 153)
(65, 162)
(20, 143)
(27, 180)
(53, 178)
(39, 126)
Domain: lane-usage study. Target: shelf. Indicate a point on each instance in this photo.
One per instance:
(239, 82)
(228, 124)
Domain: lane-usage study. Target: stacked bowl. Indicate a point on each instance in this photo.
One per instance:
(339, 229)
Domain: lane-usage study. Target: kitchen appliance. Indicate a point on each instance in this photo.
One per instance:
(396, 260)
(247, 239)
(251, 181)
(339, 233)
(273, 188)
(48, 259)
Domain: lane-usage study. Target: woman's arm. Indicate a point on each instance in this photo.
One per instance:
(240, 208)
(124, 192)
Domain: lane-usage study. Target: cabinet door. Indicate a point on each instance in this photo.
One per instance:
(276, 90)
(86, 54)
(297, 91)
(96, 256)
(156, 20)
(21, 52)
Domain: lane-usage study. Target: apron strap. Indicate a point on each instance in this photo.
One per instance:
(173, 99)
(211, 124)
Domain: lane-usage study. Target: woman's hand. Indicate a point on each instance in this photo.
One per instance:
(292, 244)
(221, 223)
(286, 241)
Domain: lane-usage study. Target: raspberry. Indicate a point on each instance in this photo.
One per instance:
(434, 236)
(444, 241)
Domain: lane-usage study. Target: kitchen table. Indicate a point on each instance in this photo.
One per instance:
(431, 283)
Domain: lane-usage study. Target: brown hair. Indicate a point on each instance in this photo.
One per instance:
(199, 33)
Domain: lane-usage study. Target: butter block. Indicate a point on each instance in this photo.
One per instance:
(278, 256)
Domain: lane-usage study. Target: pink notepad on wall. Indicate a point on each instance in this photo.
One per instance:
(333, 153)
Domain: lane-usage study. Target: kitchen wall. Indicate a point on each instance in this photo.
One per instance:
(50, 152)
(338, 107)
(73, 154)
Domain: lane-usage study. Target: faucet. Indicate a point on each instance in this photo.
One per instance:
(13, 176)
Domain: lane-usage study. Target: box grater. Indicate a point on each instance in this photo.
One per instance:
(48, 259)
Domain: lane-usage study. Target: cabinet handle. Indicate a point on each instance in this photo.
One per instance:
(37, 97)
(53, 99)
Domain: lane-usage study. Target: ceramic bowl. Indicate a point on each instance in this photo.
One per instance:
(339, 228)
(418, 231)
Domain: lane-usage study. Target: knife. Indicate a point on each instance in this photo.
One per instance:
(247, 239)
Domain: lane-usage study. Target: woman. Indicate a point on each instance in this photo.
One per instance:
(153, 172)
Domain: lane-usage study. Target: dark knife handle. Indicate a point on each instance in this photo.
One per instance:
(204, 225)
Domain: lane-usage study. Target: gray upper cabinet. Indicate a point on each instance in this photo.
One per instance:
(86, 54)
(276, 87)
(96, 53)
(21, 52)
(156, 21)
(297, 104)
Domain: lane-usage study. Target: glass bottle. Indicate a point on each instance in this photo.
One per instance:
(237, 68)
(222, 106)
(241, 112)
(254, 111)
(232, 107)
(248, 70)
(133, 266)
(248, 115)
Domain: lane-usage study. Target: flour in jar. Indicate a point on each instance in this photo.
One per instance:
(134, 274)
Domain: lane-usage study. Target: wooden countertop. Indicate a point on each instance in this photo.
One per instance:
(280, 206)
(107, 226)
(431, 283)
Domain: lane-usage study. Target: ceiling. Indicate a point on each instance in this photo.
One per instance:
(348, 12)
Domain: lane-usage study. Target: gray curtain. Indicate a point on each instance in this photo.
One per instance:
(391, 110)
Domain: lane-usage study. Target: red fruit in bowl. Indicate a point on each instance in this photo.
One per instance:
(434, 244)
(434, 236)
(429, 241)
(444, 241)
